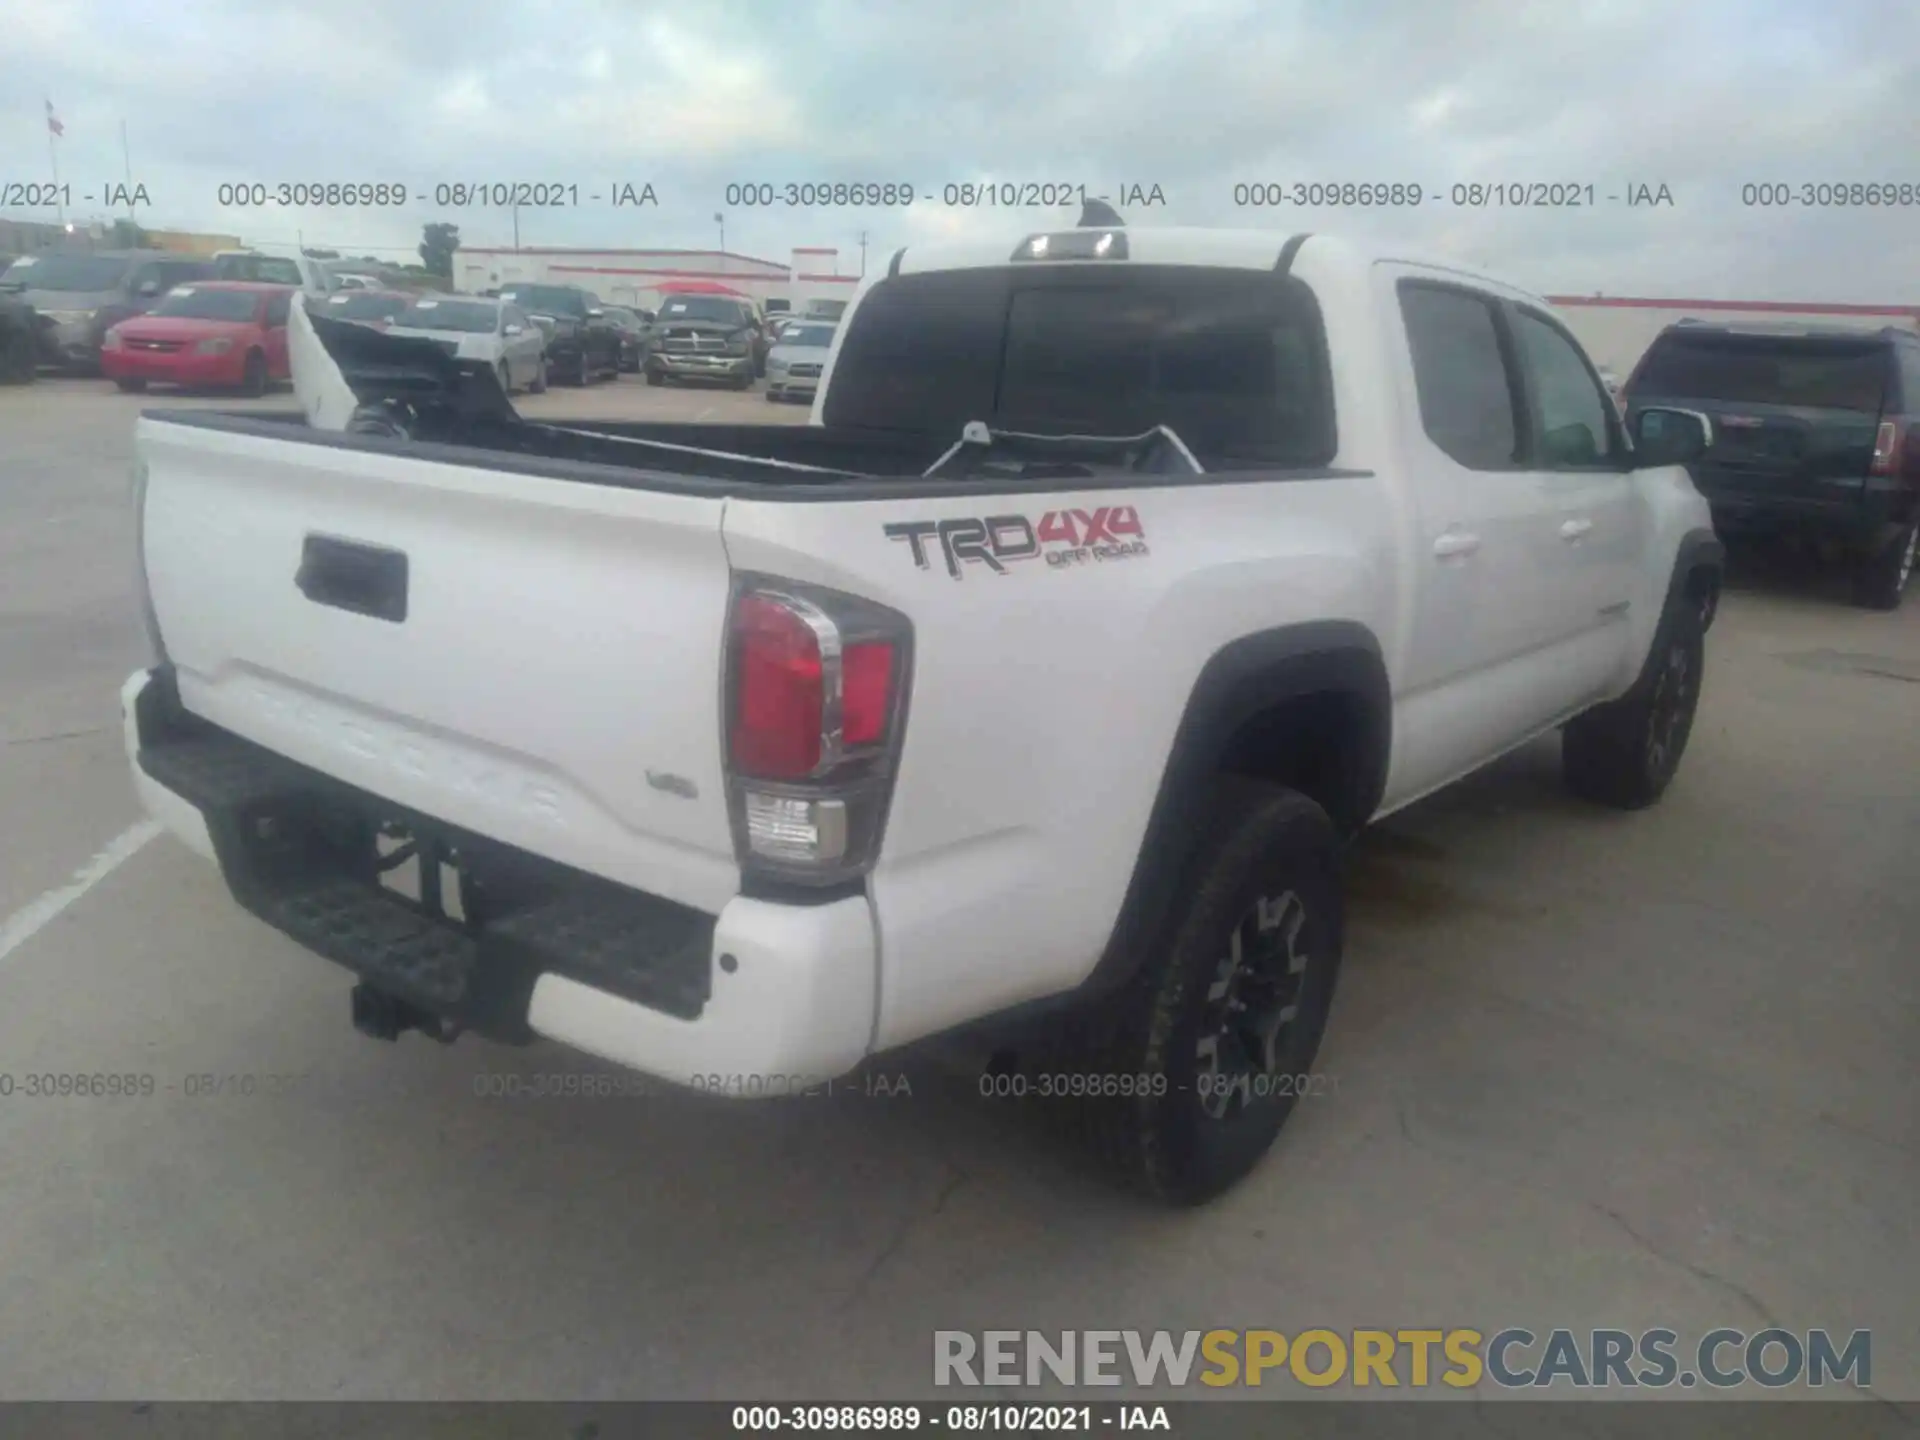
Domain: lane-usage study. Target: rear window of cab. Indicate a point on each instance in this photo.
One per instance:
(1234, 362)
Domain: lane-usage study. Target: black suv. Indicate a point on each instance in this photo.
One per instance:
(1816, 434)
(19, 341)
(582, 340)
(633, 335)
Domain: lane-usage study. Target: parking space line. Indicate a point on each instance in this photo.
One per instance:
(33, 917)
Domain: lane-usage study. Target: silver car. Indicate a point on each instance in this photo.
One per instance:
(496, 333)
(793, 365)
(83, 294)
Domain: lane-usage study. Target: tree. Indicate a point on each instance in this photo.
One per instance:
(437, 244)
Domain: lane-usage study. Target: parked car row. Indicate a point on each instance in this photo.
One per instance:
(146, 317)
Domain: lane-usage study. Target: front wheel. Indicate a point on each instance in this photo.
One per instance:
(253, 375)
(539, 383)
(1218, 1033)
(1625, 753)
(130, 386)
(19, 357)
(505, 377)
(1881, 583)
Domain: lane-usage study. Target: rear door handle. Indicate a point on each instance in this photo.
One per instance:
(1455, 542)
(1574, 530)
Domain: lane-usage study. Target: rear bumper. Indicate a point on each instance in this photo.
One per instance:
(550, 951)
(1857, 517)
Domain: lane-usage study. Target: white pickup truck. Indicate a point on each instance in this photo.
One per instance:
(1122, 576)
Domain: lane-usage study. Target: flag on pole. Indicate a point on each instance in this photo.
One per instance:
(54, 127)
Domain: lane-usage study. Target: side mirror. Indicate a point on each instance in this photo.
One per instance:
(596, 314)
(1670, 437)
(148, 289)
(513, 330)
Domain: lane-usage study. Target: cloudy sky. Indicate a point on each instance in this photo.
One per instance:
(1194, 96)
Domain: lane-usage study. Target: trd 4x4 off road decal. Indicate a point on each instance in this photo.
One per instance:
(1064, 538)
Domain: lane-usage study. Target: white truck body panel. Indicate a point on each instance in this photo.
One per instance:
(603, 606)
(568, 639)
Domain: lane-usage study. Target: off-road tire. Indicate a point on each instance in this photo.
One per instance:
(1267, 853)
(1625, 753)
(1881, 581)
(253, 375)
(19, 357)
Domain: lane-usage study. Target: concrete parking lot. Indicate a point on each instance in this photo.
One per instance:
(1586, 1069)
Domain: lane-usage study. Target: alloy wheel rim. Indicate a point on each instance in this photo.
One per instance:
(1669, 708)
(1252, 1004)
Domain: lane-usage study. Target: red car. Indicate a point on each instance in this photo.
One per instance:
(211, 332)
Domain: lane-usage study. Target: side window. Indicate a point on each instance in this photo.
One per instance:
(510, 315)
(1468, 401)
(1576, 430)
(155, 274)
(278, 308)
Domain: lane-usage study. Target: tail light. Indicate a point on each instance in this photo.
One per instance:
(1887, 445)
(815, 712)
(156, 646)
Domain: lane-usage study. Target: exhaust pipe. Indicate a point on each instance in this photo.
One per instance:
(380, 1016)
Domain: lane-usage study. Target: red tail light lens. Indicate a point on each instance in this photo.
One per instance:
(1886, 449)
(816, 710)
(779, 701)
(866, 680)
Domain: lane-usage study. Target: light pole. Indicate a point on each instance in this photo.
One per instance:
(863, 254)
(721, 221)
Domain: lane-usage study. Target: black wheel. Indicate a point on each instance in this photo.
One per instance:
(743, 382)
(1624, 754)
(583, 370)
(654, 377)
(1881, 583)
(19, 358)
(253, 375)
(773, 397)
(539, 385)
(130, 387)
(1221, 1028)
(505, 377)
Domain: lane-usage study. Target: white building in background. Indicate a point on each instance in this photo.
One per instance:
(637, 277)
(1616, 330)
